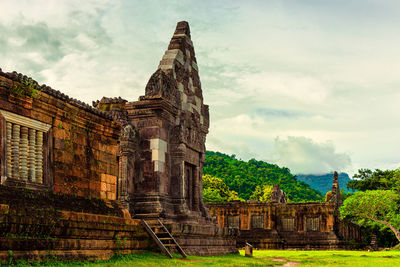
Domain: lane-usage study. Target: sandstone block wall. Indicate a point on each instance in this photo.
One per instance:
(290, 225)
(82, 142)
(36, 225)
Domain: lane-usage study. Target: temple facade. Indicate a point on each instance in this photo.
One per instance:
(76, 179)
(280, 225)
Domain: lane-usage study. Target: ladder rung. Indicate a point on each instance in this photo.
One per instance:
(161, 233)
(165, 238)
(156, 231)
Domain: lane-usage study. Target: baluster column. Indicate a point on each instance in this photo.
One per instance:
(23, 153)
(31, 155)
(15, 151)
(9, 152)
(39, 156)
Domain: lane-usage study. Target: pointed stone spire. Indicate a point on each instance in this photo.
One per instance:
(177, 78)
(335, 197)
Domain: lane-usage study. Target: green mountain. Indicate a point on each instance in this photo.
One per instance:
(323, 183)
(244, 176)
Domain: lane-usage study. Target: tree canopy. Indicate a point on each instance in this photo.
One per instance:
(379, 206)
(262, 193)
(244, 177)
(367, 179)
(215, 190)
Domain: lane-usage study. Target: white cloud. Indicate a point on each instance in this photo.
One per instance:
(325, 70)
(304, 156)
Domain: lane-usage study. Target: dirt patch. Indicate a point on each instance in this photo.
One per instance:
(287, 263)
(195, 260)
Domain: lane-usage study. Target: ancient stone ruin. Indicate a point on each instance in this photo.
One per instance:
(86, 182)
(76, 180)
(280, 225)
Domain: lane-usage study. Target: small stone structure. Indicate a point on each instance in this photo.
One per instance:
(280, 225)
(248, 250)
(77, 179)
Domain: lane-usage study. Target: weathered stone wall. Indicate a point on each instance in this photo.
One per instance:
(37, 224)
(81, 143)
(172, 122)
(291, 225)
(65, 215)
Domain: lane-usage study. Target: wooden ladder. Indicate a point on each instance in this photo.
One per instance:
(162, 236)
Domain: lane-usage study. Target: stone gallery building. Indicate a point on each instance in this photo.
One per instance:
(76, 180)
(280, 225)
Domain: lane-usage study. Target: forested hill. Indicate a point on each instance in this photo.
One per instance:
(323, 183)
(243, 177)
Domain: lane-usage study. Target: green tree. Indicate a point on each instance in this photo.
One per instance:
(379, 206)
(244, 177)
(212, 195)
(262, 193)
(366, 179)
(215, 190)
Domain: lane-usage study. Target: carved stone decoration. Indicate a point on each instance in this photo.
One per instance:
(113, 106)
(277, 195)
(162, 85)
(128, 133)
(128, 152)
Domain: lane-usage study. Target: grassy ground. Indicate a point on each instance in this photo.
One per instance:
(261, 258)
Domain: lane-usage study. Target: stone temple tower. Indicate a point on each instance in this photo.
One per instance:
(171, 122)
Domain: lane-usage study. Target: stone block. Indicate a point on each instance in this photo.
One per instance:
(103, 186)
(111, 196)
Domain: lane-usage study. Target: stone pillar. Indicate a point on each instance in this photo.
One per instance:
(196, 190)
(15, 150)
(123, 195)
(9, 149)
(23, 153)
(31, 155)
(126, 164)
(39, 157)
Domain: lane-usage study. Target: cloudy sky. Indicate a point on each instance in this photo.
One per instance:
(312, 85)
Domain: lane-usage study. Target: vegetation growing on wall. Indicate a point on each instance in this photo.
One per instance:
(26, 87)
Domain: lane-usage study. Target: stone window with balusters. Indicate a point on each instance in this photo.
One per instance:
(24, 148)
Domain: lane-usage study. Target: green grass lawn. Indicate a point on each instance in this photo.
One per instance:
(261, 258)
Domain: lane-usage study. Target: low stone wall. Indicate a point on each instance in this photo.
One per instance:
(37, 230)
(204, 239)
